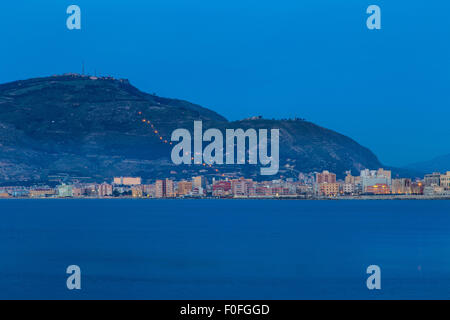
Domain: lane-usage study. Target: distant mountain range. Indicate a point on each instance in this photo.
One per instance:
(438, 164)
(91, 127)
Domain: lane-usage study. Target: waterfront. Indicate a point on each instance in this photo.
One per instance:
(223, 249)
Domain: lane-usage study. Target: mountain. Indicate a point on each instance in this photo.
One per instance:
(438, 164)
(94, 128)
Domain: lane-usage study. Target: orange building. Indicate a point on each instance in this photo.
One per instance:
(379, 189)
(128, 181)
(137, 192)
(184, 188)
(325, 177)
(329, 189)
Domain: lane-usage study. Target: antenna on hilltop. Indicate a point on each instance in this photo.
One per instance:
(82, 68)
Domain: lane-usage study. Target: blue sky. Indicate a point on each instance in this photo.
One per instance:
(388, 89)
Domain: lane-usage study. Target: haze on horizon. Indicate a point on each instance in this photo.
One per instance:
(314, 59)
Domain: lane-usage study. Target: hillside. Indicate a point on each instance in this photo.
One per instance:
(87, 127)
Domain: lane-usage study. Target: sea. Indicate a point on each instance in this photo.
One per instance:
(224, 249)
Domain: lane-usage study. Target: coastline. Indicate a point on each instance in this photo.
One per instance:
(342, 198)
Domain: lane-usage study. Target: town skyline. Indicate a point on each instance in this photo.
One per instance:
(316, 185)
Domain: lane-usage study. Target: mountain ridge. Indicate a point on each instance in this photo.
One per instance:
(437, 164)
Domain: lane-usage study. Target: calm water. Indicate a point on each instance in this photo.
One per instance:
(224, 249)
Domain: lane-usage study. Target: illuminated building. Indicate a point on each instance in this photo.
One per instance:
(379, 189)
(137, 192)
(417, 187)
(401, 186)
(373, 177)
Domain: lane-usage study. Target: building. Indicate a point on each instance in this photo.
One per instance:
(348, 188)
(160, 188)
(222, 188)
(137, 192)
(42, 193)
(164, 189)
(401, 186)
(379, 189)
(198, 192)
(304, 189)
(384, 173)
(127, 181)
(13, 192)
(65, 191)
(199, 182)
(445, 181)
(306, 179)
(417, 187)
(105, 190)
(170, 189)
(184, 188)
(434, 190)
(432, 179)
(325, 177)
(20, 193)
(371, 178)
(241, 187)
(90, 190)
(149, 190)
(329, 189)
(262, 189)
(352, 179)
(77, 192)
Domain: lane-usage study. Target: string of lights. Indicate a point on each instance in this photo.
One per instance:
(162, 139)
